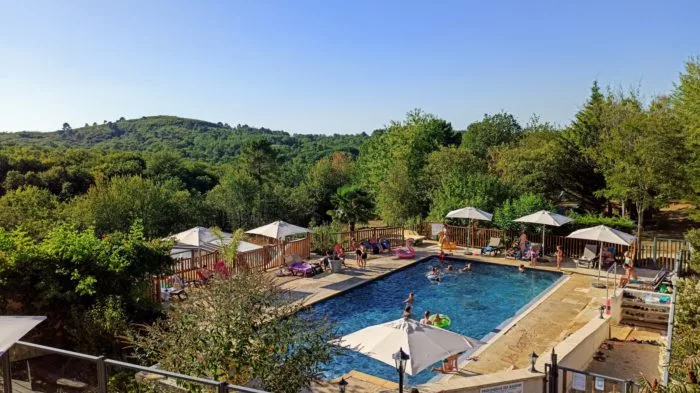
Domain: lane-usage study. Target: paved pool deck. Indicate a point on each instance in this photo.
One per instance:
(563, 310)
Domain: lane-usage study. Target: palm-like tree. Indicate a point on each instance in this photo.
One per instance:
(352, 204)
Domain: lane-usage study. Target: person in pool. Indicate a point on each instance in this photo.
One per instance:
(426, 319)
(467, 267)
(521, 268)
(410, 299)
(450, 268)
(407, 311)
(631, 276)
(441, 256)
(435, 271)
(437, 320)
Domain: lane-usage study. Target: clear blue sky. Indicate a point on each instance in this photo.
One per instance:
(330, 66)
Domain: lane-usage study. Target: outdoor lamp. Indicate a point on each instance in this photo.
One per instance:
(533, 359)
(342, 385)
(400, 359)
(602, 310)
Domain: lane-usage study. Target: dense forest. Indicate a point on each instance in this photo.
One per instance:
(81, 207)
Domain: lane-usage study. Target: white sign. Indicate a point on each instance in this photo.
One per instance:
(512, 388)
(578, 382)
(599, 383)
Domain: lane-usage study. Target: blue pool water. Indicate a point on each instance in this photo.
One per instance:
(476, 301)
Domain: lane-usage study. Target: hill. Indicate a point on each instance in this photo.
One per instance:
(194, 139)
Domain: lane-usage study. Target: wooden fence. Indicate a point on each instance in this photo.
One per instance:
(656, 253)
(393, 234)
(268, 257)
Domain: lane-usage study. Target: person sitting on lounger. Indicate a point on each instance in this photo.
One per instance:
(607, 256)
(204, 274)
(467, 267)
(630, 277)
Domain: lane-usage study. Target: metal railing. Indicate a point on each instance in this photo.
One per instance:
(102, 374)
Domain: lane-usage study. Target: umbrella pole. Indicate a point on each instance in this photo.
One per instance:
(543, 249)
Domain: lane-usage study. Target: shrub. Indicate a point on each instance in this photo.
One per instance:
(591, 220)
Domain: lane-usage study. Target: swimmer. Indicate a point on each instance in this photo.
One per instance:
(521, 268)
(410, 299)
(467, 267)
(437, 320)
(441, 256)
(449, 268)
(435, 271)
(407, 312)
(426, 319)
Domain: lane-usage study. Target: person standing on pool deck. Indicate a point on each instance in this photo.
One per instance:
(560, 256)
(410, 299)
(358, 254)
(363, 256)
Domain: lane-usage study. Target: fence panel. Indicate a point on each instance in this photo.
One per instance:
(393, 234)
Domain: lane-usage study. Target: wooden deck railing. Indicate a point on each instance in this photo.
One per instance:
(655, 253)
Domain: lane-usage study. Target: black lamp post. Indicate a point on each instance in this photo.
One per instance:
(342, 385)
(400, 358)
(602, 310)
(533, 360)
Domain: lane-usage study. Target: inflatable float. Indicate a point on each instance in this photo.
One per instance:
(433, 276)
(406, 253)
(444, 321)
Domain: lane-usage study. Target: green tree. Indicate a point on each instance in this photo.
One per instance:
(642, 155)
(352, 205)
(242, 330)
(392, 162)
(686, 104)
(33, 209)
(114, 205)
(89, 287)
(493, 130)
(525, 204)
(321, 182)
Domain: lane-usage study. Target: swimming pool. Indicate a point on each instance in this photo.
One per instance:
(477, 302)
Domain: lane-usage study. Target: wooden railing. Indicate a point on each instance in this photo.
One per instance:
(656, 253)
(259, 260)
(393, 234)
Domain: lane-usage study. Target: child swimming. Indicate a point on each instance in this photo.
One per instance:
(521, 268)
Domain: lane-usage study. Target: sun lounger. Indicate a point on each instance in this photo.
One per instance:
(494, 247)
(417, 239)
(649, 285)
(180, 282)
(589, 257)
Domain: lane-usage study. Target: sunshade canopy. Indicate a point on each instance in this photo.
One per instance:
(12, 328)
(200, 238)
(278, 230)
(604, 234)
(471, 213)
(425, 344)
(545, 217)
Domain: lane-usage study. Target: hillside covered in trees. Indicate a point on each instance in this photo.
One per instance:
(194, 139)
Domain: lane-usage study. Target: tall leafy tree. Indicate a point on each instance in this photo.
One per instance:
(391, 164)
(492, 130)
(321, 182)
(352, 205)
(686, 103)
(642, 154)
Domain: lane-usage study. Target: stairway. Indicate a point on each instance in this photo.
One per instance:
(645, 309)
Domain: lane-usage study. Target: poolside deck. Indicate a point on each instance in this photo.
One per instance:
(564, 310)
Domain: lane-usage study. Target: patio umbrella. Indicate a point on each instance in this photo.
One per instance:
(603, 234)
(278, 230)
(545, 217)
(12, 328)
(471, 213)
(425, 344)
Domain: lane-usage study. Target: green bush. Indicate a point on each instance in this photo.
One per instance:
(525, 204)
(591, 220)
